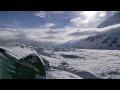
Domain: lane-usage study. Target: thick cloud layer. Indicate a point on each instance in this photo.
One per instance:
(52, 36)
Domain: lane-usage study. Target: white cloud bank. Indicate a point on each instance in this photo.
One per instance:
(90, 19)
(48, 25)
(43, 14)
(47, 35)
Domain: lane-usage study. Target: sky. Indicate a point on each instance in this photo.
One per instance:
(49, 26)
(53, 19)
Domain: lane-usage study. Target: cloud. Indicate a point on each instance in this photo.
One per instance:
(87, 21)
(35, 35)
(113, 12)
(56, 12)
(55, 31)
(17, 23)
(78, 34)
(13, 24)
(41, 35)
(110, 30)
(102, 13)
(49, 37)
(79, 22)
(40, 14)
(7, 35)
(7, 25)
(82, 19)
(83, 33)
(43, 14)
(31, 35)
(46, 36)
(48, 25)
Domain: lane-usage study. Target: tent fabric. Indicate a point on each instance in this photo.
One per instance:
(25, 68)
(36, 62)
(7, 67)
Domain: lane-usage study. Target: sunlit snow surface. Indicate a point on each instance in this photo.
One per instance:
(88, 64)
(79, 63)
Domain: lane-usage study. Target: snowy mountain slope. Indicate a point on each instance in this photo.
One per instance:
(115, 19)
(65, 45)
(106, 38)
(103, 42)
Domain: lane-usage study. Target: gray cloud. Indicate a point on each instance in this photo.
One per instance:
(41, 35)
(49, 37)
(55, 31)
(52, 36)
(76, 34)
(110, 30)
(31, 35)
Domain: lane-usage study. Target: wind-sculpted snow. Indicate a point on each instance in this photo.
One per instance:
(69, 56)
(60, 74)
(79, 63)
(91, 64)
(20, 51)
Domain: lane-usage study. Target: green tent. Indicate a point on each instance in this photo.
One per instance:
(11, 67)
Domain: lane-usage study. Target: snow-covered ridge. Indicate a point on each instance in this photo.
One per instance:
(106, 38)
(105, 42)
(115, 19)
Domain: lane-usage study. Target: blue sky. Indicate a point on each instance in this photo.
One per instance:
(50, 26)
(32, 19)
(52, 19)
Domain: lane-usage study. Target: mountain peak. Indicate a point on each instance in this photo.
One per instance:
(115, 19)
